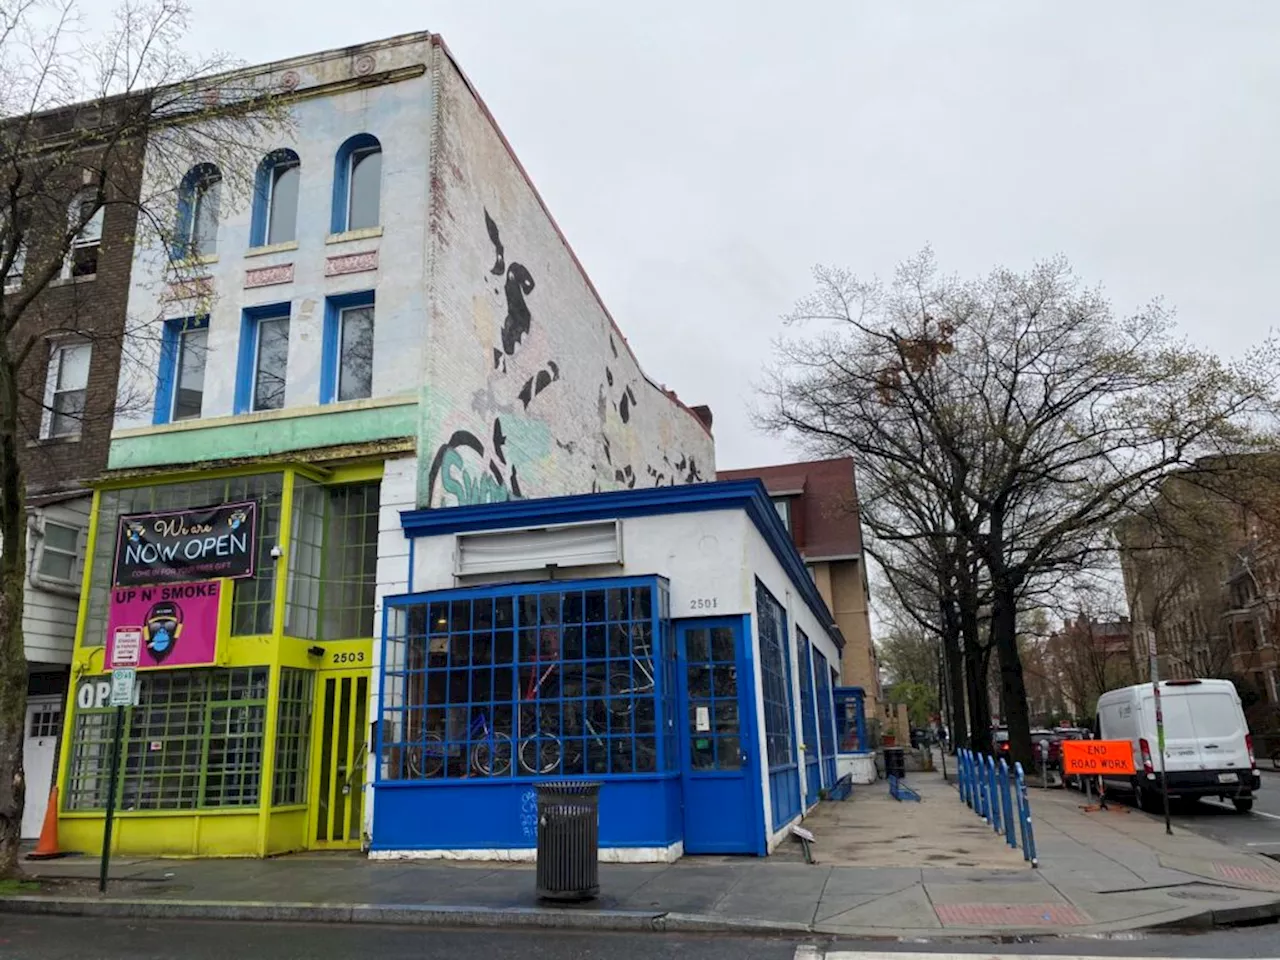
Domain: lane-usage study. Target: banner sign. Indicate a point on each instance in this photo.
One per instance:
(1097, 756)
(174, 625)
(184, 545)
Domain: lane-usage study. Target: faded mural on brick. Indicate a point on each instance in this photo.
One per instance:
(504, 458)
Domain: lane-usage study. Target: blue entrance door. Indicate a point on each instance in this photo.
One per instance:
(808, 725)
(723, 801)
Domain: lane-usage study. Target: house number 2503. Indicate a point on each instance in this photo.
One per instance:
(704, 603)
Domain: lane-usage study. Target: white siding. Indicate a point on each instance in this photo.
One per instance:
(49, 617)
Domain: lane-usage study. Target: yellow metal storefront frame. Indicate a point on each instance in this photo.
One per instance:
(244, 831)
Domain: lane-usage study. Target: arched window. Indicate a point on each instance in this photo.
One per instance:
(357, 184)
(82, 258)
(275, 198)
(198, 195)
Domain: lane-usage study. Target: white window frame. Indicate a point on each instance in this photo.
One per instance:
(342, 323)
(779, 505)
(90, 235)
(272, 176)
(56, 349)
(56, 584)
(177, 373)
(13, 281)
(351, 182)
(257, 353)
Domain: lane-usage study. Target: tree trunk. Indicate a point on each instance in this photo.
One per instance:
(13, 662)
(1013, 690)
(953, 664)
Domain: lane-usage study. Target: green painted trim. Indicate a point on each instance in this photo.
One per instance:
(263, 438)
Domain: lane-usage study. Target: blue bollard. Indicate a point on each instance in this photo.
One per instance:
(962, 759)
(1024, 816)
(995, 795)
(979, 792)
(1007, 795)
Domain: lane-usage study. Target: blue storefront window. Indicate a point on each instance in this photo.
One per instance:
(826, 677)
(775, 674)
(529, 681)
(808, 721)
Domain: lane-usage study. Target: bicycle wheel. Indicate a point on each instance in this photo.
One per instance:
(426, 759)
(492, 758)
(540, 754)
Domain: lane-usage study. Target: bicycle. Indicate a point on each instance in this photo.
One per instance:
(490, 757)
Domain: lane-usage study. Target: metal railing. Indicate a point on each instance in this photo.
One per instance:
(989, 789)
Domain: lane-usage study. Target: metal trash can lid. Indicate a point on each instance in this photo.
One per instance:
(569, 788)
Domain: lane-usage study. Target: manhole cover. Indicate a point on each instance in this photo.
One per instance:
(1203, 895)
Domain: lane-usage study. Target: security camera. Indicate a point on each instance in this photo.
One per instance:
(276, 552)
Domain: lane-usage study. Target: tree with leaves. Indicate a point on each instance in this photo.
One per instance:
(1049, 415)
(93, 128)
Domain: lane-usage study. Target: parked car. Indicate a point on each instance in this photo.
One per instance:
(1208, 748)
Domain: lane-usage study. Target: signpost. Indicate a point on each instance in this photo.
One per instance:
(1155, 687)
(122, 683)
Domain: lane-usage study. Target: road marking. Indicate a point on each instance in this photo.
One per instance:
(1269, 816)
(809, 952)
(1264, 843)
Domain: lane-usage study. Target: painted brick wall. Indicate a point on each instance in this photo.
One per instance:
(531, 389)
(381, 89)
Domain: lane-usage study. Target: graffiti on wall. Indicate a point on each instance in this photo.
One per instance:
(486, 465)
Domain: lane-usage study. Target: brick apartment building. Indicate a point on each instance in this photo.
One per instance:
(818, 503)
(72, 331)
(1203, 581)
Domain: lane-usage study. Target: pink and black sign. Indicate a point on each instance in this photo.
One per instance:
(185, 545)
(171, 625)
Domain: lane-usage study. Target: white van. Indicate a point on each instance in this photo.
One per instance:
(1207, 742)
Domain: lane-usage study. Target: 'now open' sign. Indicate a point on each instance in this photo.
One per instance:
(1097, 756)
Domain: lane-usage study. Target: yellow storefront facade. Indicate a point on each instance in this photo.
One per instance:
(263, 750)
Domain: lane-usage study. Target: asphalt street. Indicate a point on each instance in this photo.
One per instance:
(1256, 832)
(57, 938)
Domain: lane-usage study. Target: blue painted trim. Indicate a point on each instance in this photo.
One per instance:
(749, 495)
(329, 342)
(262, 191)
(342, 176)
(412, 551)
(249, 319)
(167, 375)
(533, 586)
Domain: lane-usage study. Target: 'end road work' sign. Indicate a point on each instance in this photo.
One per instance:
(1097, 756)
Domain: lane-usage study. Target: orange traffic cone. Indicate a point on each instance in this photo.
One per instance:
(47, 847)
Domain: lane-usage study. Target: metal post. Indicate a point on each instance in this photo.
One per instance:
(1164, 766)
(111, 799)
(1006, 796)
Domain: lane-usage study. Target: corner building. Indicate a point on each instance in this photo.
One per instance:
(388, 320)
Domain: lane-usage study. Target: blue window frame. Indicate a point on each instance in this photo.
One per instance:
(346, 353)
(275, 199)
(184, 347)
(558, 679)
(775, 675)
(825, 675)
(357, 184)
(196, 230)
(262, 368)
(808, 721)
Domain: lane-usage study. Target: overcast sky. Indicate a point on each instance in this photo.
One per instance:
(702, 156)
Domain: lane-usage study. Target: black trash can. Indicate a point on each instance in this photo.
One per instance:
(895, 762)
(568, 841)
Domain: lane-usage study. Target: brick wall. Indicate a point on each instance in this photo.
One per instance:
(531, 389)
(92, 309)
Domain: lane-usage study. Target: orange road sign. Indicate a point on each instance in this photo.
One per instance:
(1097, 756)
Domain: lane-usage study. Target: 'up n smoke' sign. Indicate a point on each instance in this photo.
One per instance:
(204, 543)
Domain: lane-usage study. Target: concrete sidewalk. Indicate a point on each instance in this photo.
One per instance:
(885, 869)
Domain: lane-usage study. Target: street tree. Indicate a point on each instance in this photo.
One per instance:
(90, 122)
(1051, 414)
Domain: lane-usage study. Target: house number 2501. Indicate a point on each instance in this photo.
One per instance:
(704, 603)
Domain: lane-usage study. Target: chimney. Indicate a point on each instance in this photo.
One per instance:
(703, 413)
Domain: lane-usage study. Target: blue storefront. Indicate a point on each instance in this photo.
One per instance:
(668, 643)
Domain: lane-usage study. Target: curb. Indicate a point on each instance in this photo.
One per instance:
(400, 914)
(550, 918)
